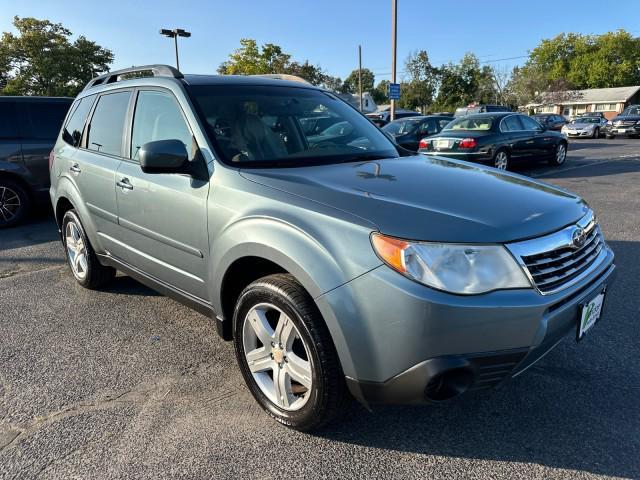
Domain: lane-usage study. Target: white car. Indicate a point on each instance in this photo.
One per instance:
(584, 127)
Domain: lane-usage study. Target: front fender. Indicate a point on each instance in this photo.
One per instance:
(319, 264)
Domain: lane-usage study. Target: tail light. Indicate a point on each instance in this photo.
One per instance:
(424, 143)
(52, 158)
(468, 143)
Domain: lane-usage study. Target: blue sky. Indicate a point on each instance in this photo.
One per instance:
(326, 33)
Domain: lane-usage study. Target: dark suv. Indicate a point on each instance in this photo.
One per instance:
(627, 123)
(28, 129)
(338, 264)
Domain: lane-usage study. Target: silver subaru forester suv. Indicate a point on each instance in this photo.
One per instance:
(340, 265)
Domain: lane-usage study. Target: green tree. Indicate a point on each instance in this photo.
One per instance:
(41, 59)
(418, 91)
(380, 94)
(463, 83)
(350, 84)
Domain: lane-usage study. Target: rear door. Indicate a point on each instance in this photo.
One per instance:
(42, 120)
(543, 142)
(163, 216)
(93, 167)
(521, 143)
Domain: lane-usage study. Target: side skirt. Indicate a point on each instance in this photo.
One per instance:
(168, 290)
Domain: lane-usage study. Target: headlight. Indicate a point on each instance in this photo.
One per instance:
(609, 122)
(455, 268)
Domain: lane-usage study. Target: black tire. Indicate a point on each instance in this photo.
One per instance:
(328, 395)
(557, 159)
(96, 275)
(15, 203)
(596, 133)
(501, 162)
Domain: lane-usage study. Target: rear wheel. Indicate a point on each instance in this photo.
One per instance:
(501, 160)
(559, 155)
(14, 203)
(286, 354)
(81, 257)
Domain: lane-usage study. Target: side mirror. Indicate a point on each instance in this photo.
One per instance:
(163, 156)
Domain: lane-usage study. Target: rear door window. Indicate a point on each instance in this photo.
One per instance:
(72, 133)
(107, 124)
(511, 124)
(44, 119)
(8, 120)
(529, 123)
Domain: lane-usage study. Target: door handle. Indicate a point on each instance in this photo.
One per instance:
(125, 184)
(75, 168)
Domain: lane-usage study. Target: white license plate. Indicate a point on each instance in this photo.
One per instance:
(622, 130)
(589, 314)
(442, 143)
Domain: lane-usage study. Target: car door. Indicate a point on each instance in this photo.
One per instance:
(93, 166)
(163, 216)
(10, 141)
(543, 141)
(519, 141)
(42, 120)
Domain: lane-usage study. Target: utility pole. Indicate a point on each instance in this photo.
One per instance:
(360, 74)
(394, 38)
(175, 33)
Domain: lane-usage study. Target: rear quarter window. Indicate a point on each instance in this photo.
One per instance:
(72, 133)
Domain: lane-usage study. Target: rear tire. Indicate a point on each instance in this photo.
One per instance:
(286, 354)
(501, 160)
(15, 203)
(81, 257)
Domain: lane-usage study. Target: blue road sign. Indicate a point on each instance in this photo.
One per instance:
(394, 91)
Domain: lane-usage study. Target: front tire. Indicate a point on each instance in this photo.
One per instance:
(14, 203)
(81, 257)
(286, 355)
(596, 133)
(559, 155)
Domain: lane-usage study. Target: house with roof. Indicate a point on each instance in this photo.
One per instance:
(608, 101)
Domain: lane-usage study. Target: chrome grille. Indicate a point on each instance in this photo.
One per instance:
(554, 262)
(624, 123)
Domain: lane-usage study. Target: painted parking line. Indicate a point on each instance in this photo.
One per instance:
(590, 164)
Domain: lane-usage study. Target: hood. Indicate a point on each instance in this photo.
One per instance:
(626, 117)
(579, 125)
(431, 198)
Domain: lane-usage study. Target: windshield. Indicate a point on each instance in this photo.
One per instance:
(586, 120)
(402, 127)
(633, 110)
(483, 122)
(263, 126)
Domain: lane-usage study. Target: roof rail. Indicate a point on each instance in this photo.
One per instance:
(282, 76)
(158, 70)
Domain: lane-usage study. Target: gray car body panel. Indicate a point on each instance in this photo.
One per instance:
(316, 222)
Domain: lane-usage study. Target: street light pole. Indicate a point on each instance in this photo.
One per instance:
(175, 33)
(360, 74)
(394, 38)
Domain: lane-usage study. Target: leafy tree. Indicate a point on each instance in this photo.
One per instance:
(418, 92)
(351, 83)
(333, 84)
(463, 83)
(41, 60)
(380, 94)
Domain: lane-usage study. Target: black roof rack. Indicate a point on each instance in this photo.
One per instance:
(111, 77)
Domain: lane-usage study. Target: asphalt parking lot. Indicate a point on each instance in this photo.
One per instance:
(125, 383)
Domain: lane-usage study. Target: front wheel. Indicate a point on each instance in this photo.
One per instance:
(559, 155)
(286, 354)
(596, 133)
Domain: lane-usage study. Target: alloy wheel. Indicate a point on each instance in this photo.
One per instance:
(9, 204)
(501, 161)
(561, 154)
(76, 250)
(277, 356)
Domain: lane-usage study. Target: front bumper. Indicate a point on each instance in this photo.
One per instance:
(401, 335)
(614, 130)
(578, 133)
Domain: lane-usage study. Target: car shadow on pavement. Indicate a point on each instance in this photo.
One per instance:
(39, 228)
(577, 409)
(125, 285)
(611, 167)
